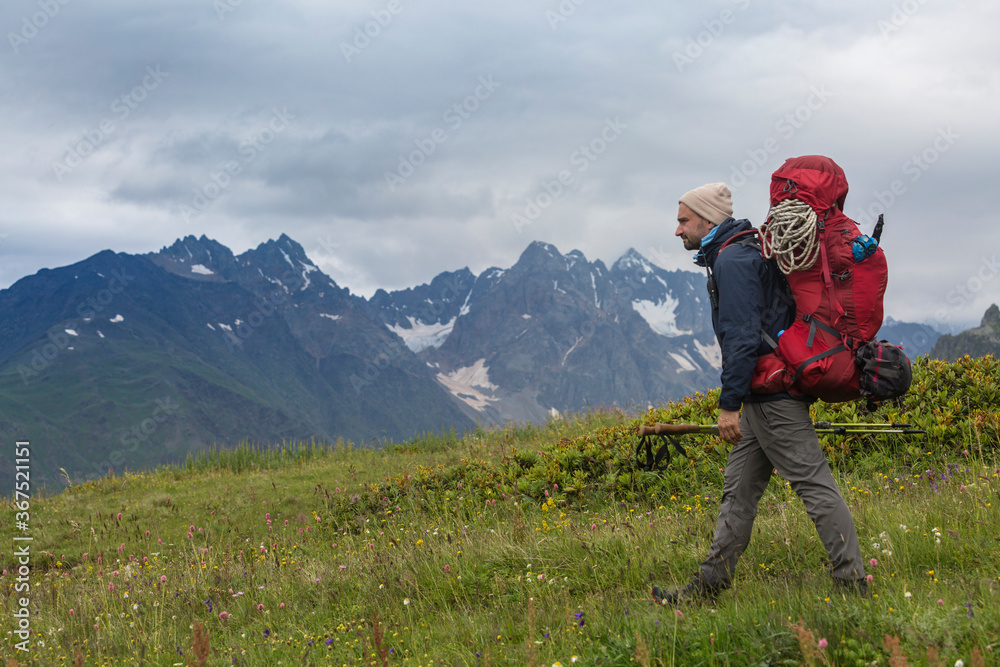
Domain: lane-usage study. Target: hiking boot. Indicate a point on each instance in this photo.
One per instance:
(696, 590)
(856, 587)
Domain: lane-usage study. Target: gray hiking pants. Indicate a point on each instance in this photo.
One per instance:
(780, 435)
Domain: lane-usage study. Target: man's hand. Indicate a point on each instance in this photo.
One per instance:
(729, 426)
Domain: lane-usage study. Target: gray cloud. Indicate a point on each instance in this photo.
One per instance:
(706, 92)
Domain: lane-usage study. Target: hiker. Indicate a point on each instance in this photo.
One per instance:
(775, 431)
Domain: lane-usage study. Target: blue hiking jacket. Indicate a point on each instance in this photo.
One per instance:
(751, 297)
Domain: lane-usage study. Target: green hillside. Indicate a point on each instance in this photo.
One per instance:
(529, 545)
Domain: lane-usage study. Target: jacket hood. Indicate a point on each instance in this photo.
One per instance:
(815, 179)
(706, 256)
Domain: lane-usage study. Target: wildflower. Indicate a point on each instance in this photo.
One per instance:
(679, 613)
(959, 663)
(71, 612)
(940, 601)
(260, 607)
(111, 587)
(870, 578)
(823, 643)
(281, 606)
(873, 562)
(406, 602)
(907, 594)
(163, 579)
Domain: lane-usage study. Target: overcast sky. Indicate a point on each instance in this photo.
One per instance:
(395, 139)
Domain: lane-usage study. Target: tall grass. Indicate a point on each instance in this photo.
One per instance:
(517, 545)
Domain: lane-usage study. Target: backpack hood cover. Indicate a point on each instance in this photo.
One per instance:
(819, 182)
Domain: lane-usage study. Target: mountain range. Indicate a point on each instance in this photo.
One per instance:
(126, 361)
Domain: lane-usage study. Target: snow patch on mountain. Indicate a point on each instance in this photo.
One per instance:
(202, 269)
(660, 315)
(421, 336)
(684, 361)
(710, 353)
(469, 384)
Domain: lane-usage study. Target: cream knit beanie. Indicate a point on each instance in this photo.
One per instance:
(713, 202)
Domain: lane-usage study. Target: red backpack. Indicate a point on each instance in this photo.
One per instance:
(837, 276)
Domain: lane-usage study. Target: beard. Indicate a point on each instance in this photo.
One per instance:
(691, 244)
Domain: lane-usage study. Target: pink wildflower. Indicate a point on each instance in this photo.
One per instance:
(823, 643)
(260, 607)
(163, 578)
(873, 562)
(680, 614)
(111, 587)
(869, 578)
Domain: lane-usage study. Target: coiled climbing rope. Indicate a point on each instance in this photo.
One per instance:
(790, 235)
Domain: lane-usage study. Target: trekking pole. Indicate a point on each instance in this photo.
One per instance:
(837, 428)
(860, 427)
(668, 434)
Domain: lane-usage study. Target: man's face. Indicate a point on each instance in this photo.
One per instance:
(691, 227)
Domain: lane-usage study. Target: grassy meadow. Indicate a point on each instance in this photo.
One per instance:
(520, 545)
